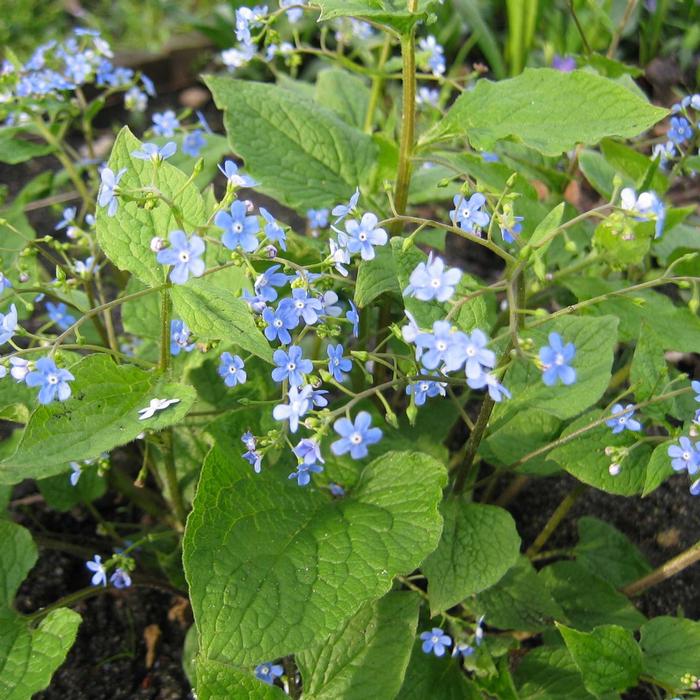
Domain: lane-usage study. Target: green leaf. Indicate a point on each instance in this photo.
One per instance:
(141, 317)
(213, 152)
(549, 673)
(599, 173)
(28, 655)
(606, 552)
(15, 149)
(273, 568)
(391, 13)
(519, 601)
(215, 314)
(539, 239)
(595, 341)
(671, 649)
(587, 599)
(376, 277)
(367, 656)
(219, 681)
(125, 237)
(479, 544)
(344, 93)
(649, 371)
(101, 414)
(61, 495)
(608, 657)
(584, 457)
(302, 154)
(633, 165)
(547, 110)
(658, 468)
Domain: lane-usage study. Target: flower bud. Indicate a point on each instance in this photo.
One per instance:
(157, 244)
(270, 251)
(614, 469)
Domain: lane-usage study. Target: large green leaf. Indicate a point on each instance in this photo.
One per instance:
(101, 414)
(608, 657)
(215, 314)
(302, 154)
(391, 13)
(28, 655)
(16, 149)
(479, 544)
(671, 649)
(547, 110)
(344, 93)
(365, 657)
(273, 568)
(217, 681)
(549, 673)
(125, 237)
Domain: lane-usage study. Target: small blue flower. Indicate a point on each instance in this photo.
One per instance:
(336, 490)
(328, 302)
(252, 456)
(273, 230)
(279, 322)
(435, 641)
(52, 380)
(564, 64)
(685, 456)
(430, 280)
(342, 210)
(556, 358)
(695, 386)
(496, 390)
(165, 123)
(185, 255)
(299, 404)
(180, 337)
(4, 282)
(318, 398)
(337, 364)
(99, 573)
(151, 151)
(624, 421)
(355, 437)
(490, 157)
(364, 234)
(511, 227)
(291, 366)
(645, 207)
(268, 672)
(58, 313)
(302, 474)
(8, 324)
(239, 229)
(193, 143)
(304, 306)
(354, 317)
(106, 196)
(69, 214)
(695, 488)
(436, 344)
(232, 369)
(463, 650)
(120, 578)
(235, 178)
(308, 451)
(426, 388)
(479, 631)
(266, 282)
(680, 130)
(435, 54)
(467, 213)
(76, 471)
(317, 218)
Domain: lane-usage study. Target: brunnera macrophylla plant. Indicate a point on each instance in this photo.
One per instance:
(321, 404)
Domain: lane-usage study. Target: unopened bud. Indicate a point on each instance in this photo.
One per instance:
(23, 277)
(250, 207)
(609, 451)
(157, 244)
(270, 251)
(614, 469)
(571, 247)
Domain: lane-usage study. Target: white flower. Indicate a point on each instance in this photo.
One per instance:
(155, 405)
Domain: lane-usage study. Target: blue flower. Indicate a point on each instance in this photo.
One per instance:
(317, 218)
(99, 573)
(470, 351)
(180, 337)
(267, 672)
(184, 255)
(52, 380)
(685, 456)
(266, 282)
(435, 641)
(8, 324)
(354, 317)
(489, 157)
(193, 143)
(463, 650)
(273, 230)
(342, 210)
(355, 438)
(318, 398)
(304, 306)
(467, 213)
(4, 282)
(426, 388)
(58, 313)
(232, 369)
(556, 358)
(695, 386)
(165, 123)
(295, 13)
(279, 322)
(299, 404)
(239, 229)
(328, 302)
(564, 64)
(252, 456)
(120, 578)
(695, 488)
(69, 214)
(430, 280)
(151, 151)
(291, 365)
(624, 421)
(496, 390)
(337, 364)
(436, 55)
(437, 344)
(680, 130)
(511, 227)
(336, 490)
(646, 207)
(76, 471)
(106, 196)
(302, 474)
(479, 631)
(235, 178)
(308, 451)
(364, 234)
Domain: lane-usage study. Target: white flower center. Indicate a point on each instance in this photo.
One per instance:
(52, 379)
(435, 282)
(424, 386)
(471, 351)
(299, 304)
(686, 456)
(277, 323)
(622, 420)
(232, 369)
(291, 366)
(356, 438)
(559, 359)
(184, 256)
(238, 227)
(362, 236)
(441, 345)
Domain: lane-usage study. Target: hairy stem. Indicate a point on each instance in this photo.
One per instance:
(561, 511)
(164, 330)
(171, 478)
(377, 84)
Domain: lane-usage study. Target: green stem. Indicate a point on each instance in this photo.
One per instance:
(164, 330)
(171, 478)
(561, 511)
(473, 443)
(377, 84)
(631, 4)
(67, 600)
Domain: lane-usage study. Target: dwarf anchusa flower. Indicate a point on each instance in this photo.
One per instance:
(193, 143)
(622, 419)
(165, 123)
(58, 313)
(185, 255)
(99, 572)
(354, 317)
(304, 306)
(355, 437)
(317, 218)
(279, 322)
(120, 578)
(106, 197)
(303, 473)
(430, 280)
(180, 337)
(8, 324)
(435, 54)
(685, 456)
(300, 401)
(487, 380)
(435, 642)
(232, 369)
(273, 230)
(556, 360)
(424, 389)
(240, 230)
(52, 380)
(695, 386)
(645, 207)
(234, 177)
(291, 366)
(265, 283)
(155, 153)
(343, 210)
(680, 130)
(267, 672)
(467, 213)
(363, 235)
(337, 364)
(251, 455)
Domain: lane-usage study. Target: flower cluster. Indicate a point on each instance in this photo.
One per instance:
(437, 642)
(685, 456)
